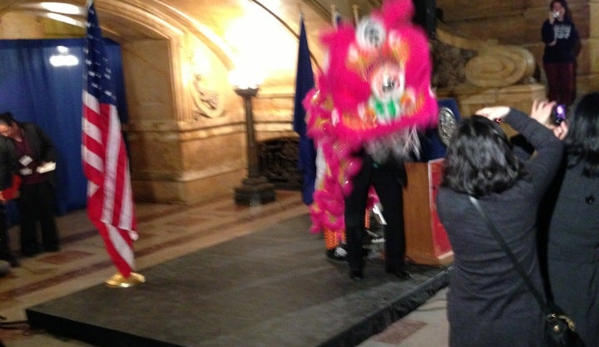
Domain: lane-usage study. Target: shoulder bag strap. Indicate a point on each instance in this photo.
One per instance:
(509, 254)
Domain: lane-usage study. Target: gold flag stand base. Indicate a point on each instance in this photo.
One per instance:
(119, 281)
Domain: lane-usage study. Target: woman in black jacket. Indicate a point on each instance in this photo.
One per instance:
(573, 248)
(28, 151)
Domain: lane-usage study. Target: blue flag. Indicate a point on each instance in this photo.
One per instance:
(304, 81)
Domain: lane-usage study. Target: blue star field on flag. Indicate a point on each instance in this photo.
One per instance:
(99, 75)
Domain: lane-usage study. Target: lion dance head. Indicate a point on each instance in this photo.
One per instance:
(374, 93)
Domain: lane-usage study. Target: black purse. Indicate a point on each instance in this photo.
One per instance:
(560, 330)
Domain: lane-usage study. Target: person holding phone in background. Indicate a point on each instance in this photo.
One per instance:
(559, 57)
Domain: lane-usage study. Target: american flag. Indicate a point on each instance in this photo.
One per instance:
(105, 164)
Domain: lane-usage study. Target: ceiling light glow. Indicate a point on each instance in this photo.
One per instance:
(65, 19)
(58, 7)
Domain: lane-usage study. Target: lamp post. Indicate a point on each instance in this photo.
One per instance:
(255, 188)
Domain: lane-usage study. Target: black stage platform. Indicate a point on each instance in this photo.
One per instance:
(270, 288)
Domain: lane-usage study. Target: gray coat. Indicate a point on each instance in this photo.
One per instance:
(488, 302)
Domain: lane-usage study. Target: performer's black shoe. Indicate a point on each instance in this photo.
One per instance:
(30, 254)
(30, 250)
(356, 274)
(11, 259)
(399, 272)
(8, 256)
(338, 255)
(372, 238)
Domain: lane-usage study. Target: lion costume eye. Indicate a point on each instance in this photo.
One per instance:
(389, 84)
(387, 81)
(370, 33)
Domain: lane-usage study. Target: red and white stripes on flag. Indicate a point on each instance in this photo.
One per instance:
(105, 164)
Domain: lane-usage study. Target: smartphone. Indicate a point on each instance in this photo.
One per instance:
(558, 114)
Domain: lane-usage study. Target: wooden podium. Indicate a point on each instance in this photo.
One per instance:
(426, 239)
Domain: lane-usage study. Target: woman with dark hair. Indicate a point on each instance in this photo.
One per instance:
(573, 247)
(559, 57)
(488, 303)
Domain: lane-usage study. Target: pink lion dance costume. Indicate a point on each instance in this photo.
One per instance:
(372, 97)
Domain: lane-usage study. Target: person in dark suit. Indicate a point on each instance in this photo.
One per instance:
(388, 177)
(28, 151)
(573, 238)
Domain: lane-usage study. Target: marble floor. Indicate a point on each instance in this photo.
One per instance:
(167, 232)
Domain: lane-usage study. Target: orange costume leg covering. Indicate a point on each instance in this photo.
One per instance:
(333, 238)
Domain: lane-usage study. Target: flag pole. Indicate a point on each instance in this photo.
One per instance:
(335, 16)
(356, 14)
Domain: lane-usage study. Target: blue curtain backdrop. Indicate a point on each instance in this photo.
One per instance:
(35, 91)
